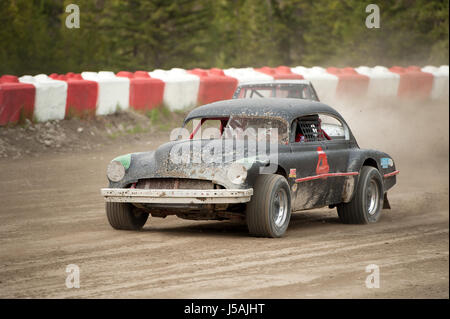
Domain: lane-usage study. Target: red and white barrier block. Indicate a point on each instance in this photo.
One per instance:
(145, 92)
(50, 98)
(214, 85)
(382, 82)
(414, 84)
(181, 88)
(351, 84)
(113, 91)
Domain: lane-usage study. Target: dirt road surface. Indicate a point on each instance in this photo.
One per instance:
(52, 215)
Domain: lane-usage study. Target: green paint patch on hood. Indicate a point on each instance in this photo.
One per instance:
(125, 160)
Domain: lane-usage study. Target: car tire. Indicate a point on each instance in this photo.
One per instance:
(269, 211)
(125, 216)
(367, 202)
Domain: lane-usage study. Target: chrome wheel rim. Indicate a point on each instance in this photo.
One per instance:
(280, 206)
(372, 197)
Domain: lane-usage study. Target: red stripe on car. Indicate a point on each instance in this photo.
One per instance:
(309, 178)
(391, 174)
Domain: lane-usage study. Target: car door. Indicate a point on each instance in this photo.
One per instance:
(336, 148)
(308, 165)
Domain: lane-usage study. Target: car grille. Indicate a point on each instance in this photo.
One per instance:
(174, 183)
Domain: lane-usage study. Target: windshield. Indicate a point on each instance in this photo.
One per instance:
(297, 91)
(238, 127)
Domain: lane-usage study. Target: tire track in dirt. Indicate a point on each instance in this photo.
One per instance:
(206, 269)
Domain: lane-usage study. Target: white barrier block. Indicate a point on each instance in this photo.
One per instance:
(51, 97)
(181, 88)
(246, 75)
(113, 91)
(439, 90)
(324, 82)
(382, 82)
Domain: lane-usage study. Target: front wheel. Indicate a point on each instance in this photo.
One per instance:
(269, 211)
(125, 216)
(367, 202)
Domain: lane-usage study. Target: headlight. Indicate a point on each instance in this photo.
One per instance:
(237, 173)
(115, 171)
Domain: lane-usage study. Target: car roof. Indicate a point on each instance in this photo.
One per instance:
(267, 83)
(285, 108)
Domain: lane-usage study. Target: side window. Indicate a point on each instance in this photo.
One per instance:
(333, 127)
(308, 129)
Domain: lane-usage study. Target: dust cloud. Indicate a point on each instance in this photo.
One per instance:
(414, 133)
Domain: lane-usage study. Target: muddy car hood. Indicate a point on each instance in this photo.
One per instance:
(177, 160)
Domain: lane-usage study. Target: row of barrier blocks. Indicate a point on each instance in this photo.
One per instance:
(60, 96)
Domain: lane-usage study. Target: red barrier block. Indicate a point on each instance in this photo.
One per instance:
(216, 71)
(141, 74)
(146, 93)
(60, 77)
(413, 82)
(9, 79)
(350, 82)
(214, 85)
(81, 96)
(16, 100)
(74, 76)
(126, 74)
(280, 73)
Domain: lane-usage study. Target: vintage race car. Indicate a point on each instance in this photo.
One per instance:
(254, 160)
(295, 89)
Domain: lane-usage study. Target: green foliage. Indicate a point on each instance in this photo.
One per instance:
(149, 34)
(162, 118)
(158, 113)
(136, 129)
(153, 115)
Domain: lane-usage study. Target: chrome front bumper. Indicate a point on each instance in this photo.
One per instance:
(177, 196)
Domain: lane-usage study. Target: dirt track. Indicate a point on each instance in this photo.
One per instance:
(52, 215)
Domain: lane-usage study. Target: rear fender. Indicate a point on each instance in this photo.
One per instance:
(380, 160)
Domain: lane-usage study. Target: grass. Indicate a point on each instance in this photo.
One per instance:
(163, 118)
(137, 129)
(153, 115)
(72, 112)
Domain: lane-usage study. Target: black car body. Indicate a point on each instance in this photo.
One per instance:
(317, 162)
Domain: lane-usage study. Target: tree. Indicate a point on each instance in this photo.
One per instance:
(148, 34)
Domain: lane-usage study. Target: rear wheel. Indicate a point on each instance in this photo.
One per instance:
(269, 211)
(125, 216)
(367, 202)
